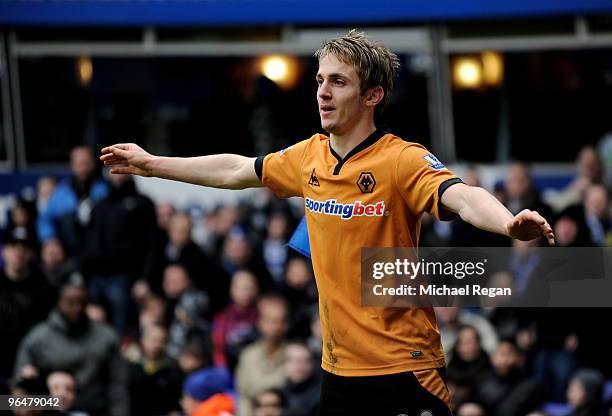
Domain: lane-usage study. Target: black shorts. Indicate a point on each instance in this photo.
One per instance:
(414, 393)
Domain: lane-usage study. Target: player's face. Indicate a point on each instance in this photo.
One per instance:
(341, 104)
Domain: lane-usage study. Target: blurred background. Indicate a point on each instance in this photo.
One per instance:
(145, 297)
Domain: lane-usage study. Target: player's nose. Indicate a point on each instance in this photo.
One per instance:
(324, 91)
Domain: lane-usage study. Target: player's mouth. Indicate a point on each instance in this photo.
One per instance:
(326, 109)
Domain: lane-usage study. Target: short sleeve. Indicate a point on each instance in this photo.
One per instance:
(422, 179)
(281, 171)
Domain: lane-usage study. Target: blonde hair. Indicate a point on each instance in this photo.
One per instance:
(374, 63)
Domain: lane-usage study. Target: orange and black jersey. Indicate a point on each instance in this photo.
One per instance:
(374, 197)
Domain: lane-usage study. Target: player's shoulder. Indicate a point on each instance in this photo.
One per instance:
(400, 145)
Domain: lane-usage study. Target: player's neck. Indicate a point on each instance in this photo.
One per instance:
(345, 142)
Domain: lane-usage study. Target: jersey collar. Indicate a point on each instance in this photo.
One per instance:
(370, 140)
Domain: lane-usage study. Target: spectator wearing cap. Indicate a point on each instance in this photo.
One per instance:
(69, 207)
(208, 392)
(261, 364)
(25, 298)
(69, 340)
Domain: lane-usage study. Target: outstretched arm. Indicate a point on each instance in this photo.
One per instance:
(226, 171)
(481, 209)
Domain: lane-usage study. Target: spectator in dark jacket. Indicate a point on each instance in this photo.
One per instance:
(69, 341)
(303, 386)
(25, 298)
(507, 391)
(206, 275)
(119, 247)
(585, 393)
(469, 364)
(69, 207)
(155, 379)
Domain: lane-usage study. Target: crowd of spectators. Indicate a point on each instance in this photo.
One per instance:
(122, 306)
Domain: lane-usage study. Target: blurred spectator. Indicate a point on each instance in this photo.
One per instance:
(152, 311)
(591, 218)
(90, 350)
(119, 246)
(451, 319)
(568, 233)
(260, 365)
(208, 392)
(219, 224)
(181, 249)
(589, 171)
(555, 348)
(585, 393)
(154, 380)
(471, 409)
(275, 250)
(63, 385)
(69, 207)
(238, 253)
(469, 363)
(44, 189)
(270, 402)
(194, 356)
(190, 309)
(22, 223)
(596, 204)
(523, 261)
(23, 389)
(54, 265)
(303, 386)
(300, 290)
(521, 193)
(315, 340)
(25, 298)
(164, 212)
(507, 391)
(233, 326)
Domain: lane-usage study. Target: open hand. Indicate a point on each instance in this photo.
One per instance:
(528, 225)
(127, 158)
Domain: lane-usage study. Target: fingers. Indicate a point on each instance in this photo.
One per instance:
(120, 146)
(122, 170)
(117, 151)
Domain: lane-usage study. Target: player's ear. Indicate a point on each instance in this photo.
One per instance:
(374, 96)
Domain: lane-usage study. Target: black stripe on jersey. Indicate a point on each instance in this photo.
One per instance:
(370, 140)
(259, 166)
(446, 214)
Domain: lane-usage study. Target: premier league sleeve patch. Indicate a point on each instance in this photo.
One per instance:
(434, 163)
